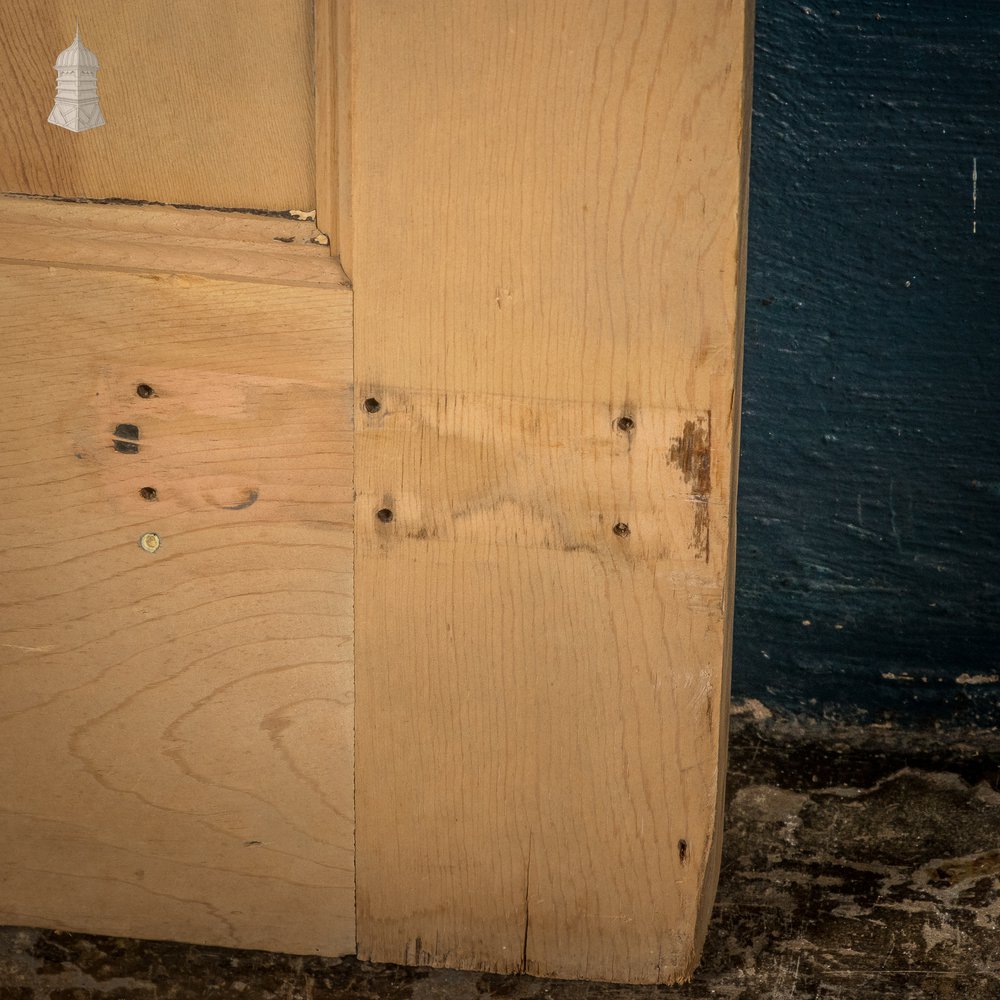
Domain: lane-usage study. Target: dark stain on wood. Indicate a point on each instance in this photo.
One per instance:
(692, 454)
(249, 500)
(126, 439)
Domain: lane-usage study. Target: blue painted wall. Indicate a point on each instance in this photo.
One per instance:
(868, 582)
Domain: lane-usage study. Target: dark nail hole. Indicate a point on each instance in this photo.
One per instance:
(126, 439)
(682, 850)
(384, 515)
(621, 529)
(372, 405)
(144, 390)
(626, 424)
(148, 493)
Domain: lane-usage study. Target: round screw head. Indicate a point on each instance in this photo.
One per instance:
(622, 530)
(625, 424)
(149, 542)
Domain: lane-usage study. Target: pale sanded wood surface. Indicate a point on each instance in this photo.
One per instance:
(327, 173)
(334, 115)
(209, 244)
(548, 205)
(327, 97)
(176, 754)
(206, 103)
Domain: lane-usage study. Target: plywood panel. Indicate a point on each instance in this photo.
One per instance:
(176, 733)
(206, 104)
(548, 206)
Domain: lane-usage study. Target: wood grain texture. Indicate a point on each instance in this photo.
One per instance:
(206, 104)
(334, 117)
(549, 215)
(176, 754)
(326, 93)
(345, 130)
(207, 244)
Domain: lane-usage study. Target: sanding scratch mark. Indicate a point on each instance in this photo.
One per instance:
(975, 184)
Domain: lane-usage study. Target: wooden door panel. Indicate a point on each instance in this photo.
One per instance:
(514, 439)
(206, 103)
(176, 726)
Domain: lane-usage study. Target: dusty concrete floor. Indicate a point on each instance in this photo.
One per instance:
(858, 863)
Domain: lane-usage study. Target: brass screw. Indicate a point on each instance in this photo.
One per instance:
(150, 541)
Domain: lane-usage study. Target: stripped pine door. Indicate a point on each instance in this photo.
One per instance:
(545, 219)
(388, 614)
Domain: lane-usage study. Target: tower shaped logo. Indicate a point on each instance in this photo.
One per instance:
(76, 106)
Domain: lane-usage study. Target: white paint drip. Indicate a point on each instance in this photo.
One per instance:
(975, 182)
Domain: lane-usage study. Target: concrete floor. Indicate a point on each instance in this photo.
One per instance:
(858, 863)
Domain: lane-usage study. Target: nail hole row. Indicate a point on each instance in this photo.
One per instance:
(624, 423)
(145, 391)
